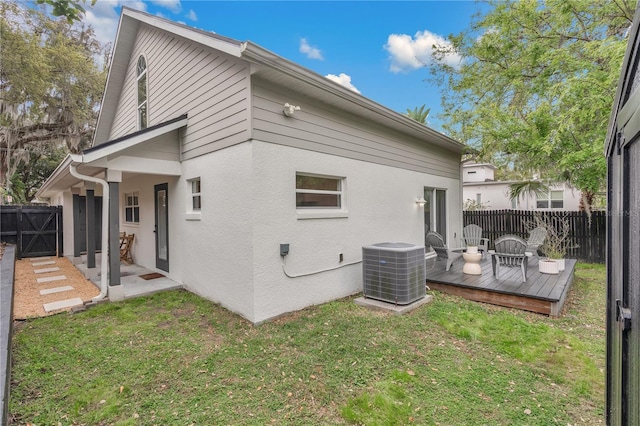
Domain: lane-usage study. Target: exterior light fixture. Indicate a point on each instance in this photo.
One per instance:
(421, 201)
(290, 109)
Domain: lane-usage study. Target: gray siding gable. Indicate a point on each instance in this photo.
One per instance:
(185, 77)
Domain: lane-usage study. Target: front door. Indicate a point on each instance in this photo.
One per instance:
(162, 226)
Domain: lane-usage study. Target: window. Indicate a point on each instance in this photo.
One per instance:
(318, 192)
(131, 208)
(435, 211)
(551, 199)
(196, 199)
(479, 199)
(142, 93)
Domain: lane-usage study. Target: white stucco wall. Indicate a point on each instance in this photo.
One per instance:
(381, 206)
(215, 253)
(477, 172)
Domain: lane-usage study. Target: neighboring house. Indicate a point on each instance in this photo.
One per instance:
(481, 190)
(208, 164)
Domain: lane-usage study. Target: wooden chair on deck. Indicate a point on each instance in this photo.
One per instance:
(126, 241)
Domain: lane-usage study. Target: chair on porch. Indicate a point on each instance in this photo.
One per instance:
(126, 241)
(536, 239)
(436, 242)
(472, 236)
(510, 252)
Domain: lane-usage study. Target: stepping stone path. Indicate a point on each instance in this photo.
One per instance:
(59, 304)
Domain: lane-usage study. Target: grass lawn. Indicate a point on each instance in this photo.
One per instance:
(176, 359)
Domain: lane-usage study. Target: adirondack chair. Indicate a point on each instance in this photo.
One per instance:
(125, 247)
(472, 236)
(436, 242)
(536, 238)
(509, 253)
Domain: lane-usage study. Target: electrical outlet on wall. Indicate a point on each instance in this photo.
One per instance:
(341, 257)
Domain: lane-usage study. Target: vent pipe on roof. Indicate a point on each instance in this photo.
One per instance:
(104, 258)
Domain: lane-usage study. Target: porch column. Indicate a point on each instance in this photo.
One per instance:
(91, 225)
(114, 177)
(77, 241)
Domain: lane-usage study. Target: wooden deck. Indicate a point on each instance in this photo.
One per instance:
(542, 293)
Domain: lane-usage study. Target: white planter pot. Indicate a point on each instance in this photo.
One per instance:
(547, 266)
(472, 249)
(560, 264)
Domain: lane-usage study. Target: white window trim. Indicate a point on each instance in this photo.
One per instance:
(139, 104)
(548, 200)
(125, 206)
(193, 214)
(303, 213)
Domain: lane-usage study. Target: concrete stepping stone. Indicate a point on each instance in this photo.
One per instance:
(56, 290)
(45, 270)
(38, 259)
(49, 279)
(48, 262)
(62, 304)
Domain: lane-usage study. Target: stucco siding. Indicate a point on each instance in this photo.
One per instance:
(321, 128)
(380, 205)
(214, 248)
(495, 196)
(185, 77)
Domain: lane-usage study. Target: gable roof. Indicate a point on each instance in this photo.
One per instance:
(265, 64)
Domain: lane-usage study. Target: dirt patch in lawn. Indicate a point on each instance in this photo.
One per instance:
(28, 302)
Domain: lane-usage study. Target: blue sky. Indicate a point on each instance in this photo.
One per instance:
(368, 46)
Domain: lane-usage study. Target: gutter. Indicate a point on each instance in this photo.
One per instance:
(104, 258)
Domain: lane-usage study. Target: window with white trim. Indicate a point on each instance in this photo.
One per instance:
(142, 93)
(131, 207)
(196, 196)
(551, 199)
(319, 192)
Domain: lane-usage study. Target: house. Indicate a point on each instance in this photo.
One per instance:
(481, 190)
(250, 180)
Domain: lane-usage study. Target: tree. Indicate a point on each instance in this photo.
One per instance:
(536, 85)
(50, 87)
(420, 115)
(71, 9)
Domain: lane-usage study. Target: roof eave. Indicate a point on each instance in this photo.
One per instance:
(258, 54)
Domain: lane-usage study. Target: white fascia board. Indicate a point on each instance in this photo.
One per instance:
(61, 171)
(145, 165)
(101, 152)
(199, 36)
(255, 53)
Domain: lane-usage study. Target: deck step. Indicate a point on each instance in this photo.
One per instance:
(45, 270)
(49, 279)
(38, 259)
(47, 262)
(55, 290)
(62, 304)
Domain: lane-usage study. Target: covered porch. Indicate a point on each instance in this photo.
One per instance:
(119, 186)
(135, 280)
(541, 293)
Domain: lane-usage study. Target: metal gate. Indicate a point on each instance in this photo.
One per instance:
(35, 230)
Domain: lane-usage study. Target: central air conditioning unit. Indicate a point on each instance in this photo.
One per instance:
(394, 272)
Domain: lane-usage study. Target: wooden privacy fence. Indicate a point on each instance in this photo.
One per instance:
(587, 238)
(35, 230)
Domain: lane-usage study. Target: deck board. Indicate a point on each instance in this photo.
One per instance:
(542, 293)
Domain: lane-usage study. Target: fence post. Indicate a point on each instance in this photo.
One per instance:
(60, 246)
(19, 232)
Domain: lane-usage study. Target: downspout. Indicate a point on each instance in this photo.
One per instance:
(104, 258)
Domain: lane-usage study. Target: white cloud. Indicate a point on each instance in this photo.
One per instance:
(409, 53)
(173, 5)
(311, 52)
(103, 17)
(344, 80)
(191, 15)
